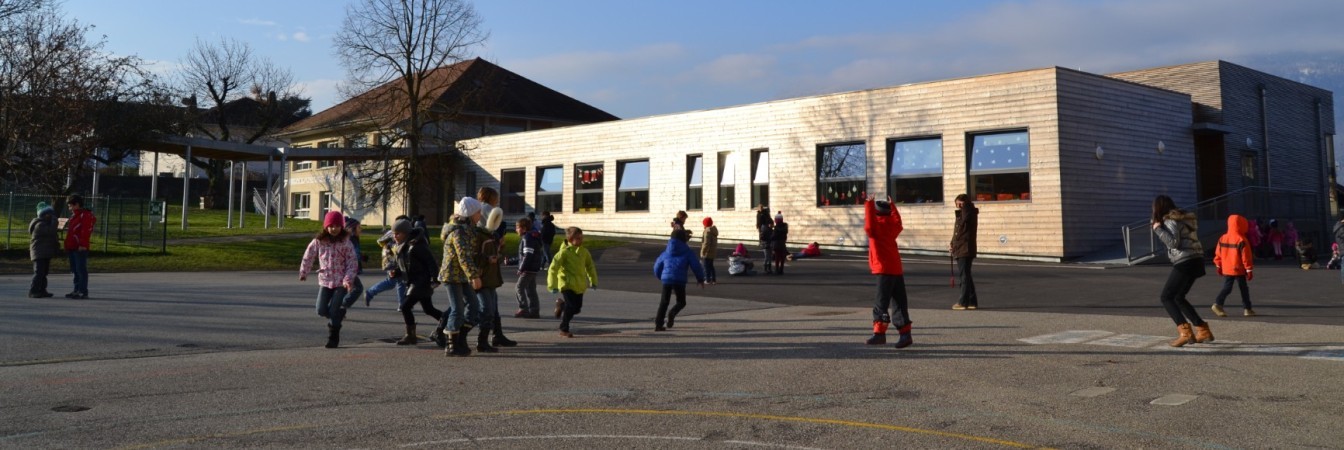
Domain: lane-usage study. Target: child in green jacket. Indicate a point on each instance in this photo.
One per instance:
(572, 272)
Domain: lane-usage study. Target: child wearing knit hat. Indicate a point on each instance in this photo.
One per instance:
(43, 245)
(331, 248)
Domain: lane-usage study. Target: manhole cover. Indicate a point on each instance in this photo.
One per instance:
(70, 408)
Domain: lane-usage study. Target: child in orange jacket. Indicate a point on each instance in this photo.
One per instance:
(882, 224)
(1234, 260)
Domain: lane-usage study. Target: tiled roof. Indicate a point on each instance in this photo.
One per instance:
(490, 90)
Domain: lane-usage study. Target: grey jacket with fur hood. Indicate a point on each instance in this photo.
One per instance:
(1180, 232)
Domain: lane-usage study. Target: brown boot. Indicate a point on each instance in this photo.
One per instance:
(1186, 336)
(410, 338)
(1202, 333)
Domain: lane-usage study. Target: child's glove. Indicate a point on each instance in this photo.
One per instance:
(1249, 275)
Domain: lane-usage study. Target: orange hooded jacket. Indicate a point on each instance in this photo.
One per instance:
(1233, 256)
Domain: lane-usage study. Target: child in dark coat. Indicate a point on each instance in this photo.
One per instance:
(414, 267)
(671, 269)
(43, 245)
(529, 264)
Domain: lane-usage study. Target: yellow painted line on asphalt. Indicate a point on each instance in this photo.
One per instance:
(190, 439)
(847, 423)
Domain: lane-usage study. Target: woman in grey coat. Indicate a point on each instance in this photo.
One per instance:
(43, 245)
(1179, 231)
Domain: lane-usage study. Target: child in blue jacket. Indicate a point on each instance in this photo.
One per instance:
(671, 269)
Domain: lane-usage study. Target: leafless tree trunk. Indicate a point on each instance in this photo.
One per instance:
(396, 53)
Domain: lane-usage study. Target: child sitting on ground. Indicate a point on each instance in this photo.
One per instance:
(739, 263)
(1306, 252)
(812, 250)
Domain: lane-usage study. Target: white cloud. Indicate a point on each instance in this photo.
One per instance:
(258, 22)
(301, 36)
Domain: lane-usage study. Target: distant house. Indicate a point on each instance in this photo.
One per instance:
(474, 98)
(242, 126)
(1058, 159)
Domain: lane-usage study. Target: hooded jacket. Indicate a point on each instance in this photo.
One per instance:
(491, 275)
(884, 256)
(44, 241)
(1180, 232)
(459, 253)
(79, 229)
(963, 232)
(672, 264)
(529, 252)
(1233, 257)
(572, 269)
(415, 265)
(709, 244)
(337, 260)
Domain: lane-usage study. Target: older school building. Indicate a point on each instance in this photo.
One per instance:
(1057, 159)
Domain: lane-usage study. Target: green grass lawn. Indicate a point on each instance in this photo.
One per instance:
(271, 250)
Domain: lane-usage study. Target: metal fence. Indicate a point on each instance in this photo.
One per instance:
(121, 220)
(1303, 208)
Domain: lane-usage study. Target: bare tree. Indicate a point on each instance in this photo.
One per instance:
(64, 101)
(397, 55)
(9, 8)
(235, 95)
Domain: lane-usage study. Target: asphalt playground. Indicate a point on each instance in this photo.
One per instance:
(1059, 356)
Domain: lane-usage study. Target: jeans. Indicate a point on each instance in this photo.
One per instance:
(769, 256)
(968, 297)
(710, 274)
(891, 287)
(79, 267)
(1227, 289)
(1179, 282)
(329, 304)
(573, 305)
(356, 288)
(668, 290)
(528, 301)
(426, 305)
(389, 283)
(41, 267)
(463, 308)
(488, 299)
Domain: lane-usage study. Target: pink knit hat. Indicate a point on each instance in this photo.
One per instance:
(334, 219)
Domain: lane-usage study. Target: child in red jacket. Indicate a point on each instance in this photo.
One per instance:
(882, 224)
(1234, 260)
(78, 232)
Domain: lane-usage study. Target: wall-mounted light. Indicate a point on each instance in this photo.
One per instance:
(1100, 152)
(1250, 143)
(1161, 147)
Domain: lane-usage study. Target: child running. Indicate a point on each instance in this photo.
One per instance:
(529, 263)
(1234, 260)
(332, 250)
(882, 224)
(387, 242)
(415, 268)
(671, 269)
(571, 273)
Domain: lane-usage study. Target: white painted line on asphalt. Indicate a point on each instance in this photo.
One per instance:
(1130, 341)
(1269, 348)
(1333, 353)
(1215, 346)
(597, 436)
(1092, 392)
(1173, 399)
(1067, 337)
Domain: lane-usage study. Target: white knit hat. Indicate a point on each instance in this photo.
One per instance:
(468, 207)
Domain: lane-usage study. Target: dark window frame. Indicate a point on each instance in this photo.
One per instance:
(760, 192)
(695, 194)
(997, 177)
(727, 198)
(600, 190)
(919, 179)
(636, 196)
(513, 202)
(827, 195)
(543, 201)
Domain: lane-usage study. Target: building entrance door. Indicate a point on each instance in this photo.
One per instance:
(1210, 165)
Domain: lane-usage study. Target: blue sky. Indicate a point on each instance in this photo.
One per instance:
(640, 58)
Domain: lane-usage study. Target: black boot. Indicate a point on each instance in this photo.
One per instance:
(438, 337)
(499, 339)
(333, 336)
(459, 345)
(671, 318)
(410, 338)
(483, 342)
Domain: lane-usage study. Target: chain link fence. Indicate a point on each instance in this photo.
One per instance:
(121, 220)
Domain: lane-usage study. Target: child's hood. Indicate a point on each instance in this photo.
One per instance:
(677, 247)
(1238, 224)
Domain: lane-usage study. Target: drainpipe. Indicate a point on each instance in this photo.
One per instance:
(1264, 127)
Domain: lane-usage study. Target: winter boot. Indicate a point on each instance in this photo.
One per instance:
(1186, 336)
(905, 339)
(499, 340)
(333, 336)
(458, 346)
(1202, 333)
(670, 319)
(879, 334)
(438, 337)
(1218, 310)
(410, 338)
(483, 342)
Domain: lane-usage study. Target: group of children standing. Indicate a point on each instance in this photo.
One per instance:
(44, 234)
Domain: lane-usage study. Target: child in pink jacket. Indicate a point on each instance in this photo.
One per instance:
(332, 249)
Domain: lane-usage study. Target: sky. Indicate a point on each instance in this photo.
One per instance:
(642, 58)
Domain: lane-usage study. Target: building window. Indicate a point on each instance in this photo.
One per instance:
(470, 180)
(998, 166)
(358, 141)
(632, 186)
(1248, 166)
(588, 187)
(727, 180)
(916, 173)
(301, 202)
(842, 174)
(760, 178)
(303, 165)
(695, 186)
(550, 189)
(512, 183)
(327, 162)
(325, 202)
